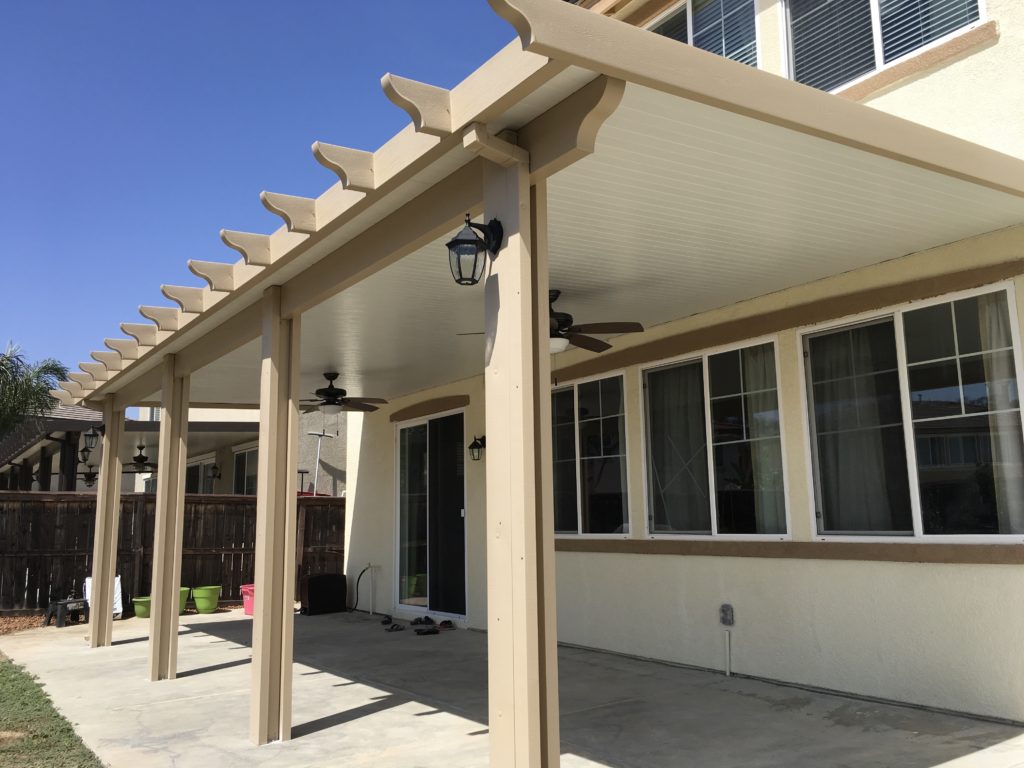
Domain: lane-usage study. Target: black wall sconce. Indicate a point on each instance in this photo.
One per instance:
(467, 250)
(213, 472)
(91, 437)
(476, 448)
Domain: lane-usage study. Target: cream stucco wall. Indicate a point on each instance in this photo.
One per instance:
(940, 635)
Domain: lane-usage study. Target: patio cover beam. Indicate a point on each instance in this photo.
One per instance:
(108, 513)
(575, 36)
(168, 528)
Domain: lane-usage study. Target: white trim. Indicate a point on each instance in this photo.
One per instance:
(245, 447)
(626, 421)
(702, 356)
(896, 312)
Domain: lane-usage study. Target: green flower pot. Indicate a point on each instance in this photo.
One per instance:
(205, 598)
(182, 597)
(141, 605)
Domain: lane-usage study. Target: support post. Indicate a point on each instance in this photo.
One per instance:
(521, 639)
(167, 530)
(276, 494)
(45, 469)
(108, 512)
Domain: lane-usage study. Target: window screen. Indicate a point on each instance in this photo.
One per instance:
(832, 41)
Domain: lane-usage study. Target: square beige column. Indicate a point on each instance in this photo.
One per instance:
(276, 492)
(108, 514)
(167, 532)
(521, 639)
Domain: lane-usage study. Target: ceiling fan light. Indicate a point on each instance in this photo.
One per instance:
(330, 409)
(558, 344)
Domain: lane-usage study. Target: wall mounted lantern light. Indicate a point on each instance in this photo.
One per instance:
(89, 477)
(476, 448)
(91, 437)
(213, 472)
(83, 455)
(467, 250)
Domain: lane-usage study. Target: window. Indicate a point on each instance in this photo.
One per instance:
(745, 467)
(965, 474)
(199, 476)
(244, 482)
(725, 27)
(589, 435)
(836, 41)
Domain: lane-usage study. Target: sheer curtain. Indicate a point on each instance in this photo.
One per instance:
(862, 474)
(762, 409)
(677, 450)
(1004, 428)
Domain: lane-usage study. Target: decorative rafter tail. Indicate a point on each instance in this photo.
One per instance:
(220, 275)
(189, 298)
(73, 388)
(166, 318)
(98, 371)
(429, 107)
(84, 380)
(146, 334)
(112, 360)
(62, 396)
(354, 167)
(255, 249)
(128, 349)
(299, 213)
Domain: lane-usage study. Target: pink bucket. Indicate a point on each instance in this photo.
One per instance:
(248, 597)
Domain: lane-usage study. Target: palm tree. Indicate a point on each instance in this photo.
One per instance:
(25, 387)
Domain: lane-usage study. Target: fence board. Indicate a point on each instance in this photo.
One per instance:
(46, 543)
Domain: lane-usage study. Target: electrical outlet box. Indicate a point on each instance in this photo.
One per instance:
(725, 615)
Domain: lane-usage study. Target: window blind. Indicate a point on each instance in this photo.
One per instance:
(909, 24)
(726, 27)
(832, 41)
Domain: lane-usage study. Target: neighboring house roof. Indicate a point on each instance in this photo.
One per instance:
(63, 418)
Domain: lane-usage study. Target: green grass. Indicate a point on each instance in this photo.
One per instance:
(32, 733)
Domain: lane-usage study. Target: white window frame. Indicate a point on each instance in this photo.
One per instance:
(876, 36)
(687, 5)
(404, 610)
(574, 384)
(702, 356)
(896, 312)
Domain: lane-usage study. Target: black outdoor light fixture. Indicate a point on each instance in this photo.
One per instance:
(89, 476)
(83, 455)
(476, 448)
(213, 472)
(91, 437)
(467, 250)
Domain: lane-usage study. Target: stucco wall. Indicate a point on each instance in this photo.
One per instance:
(939, 635)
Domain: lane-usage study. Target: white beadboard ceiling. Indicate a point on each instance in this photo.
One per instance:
(682, 208)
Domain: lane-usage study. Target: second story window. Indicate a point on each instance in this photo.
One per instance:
(725, 27)
(836, 41)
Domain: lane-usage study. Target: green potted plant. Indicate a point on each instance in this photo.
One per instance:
(141, 606)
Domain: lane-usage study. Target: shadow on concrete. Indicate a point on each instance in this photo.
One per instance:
(215, 667)
(622, 712)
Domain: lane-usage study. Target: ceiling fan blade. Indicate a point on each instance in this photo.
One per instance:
(587, 342)
(310, 408)
(360, 407)
(471, 333)
(380, 400)
(607, 328)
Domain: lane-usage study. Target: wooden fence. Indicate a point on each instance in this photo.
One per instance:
(46, 543)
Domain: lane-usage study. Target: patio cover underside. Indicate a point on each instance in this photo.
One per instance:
(682, 208)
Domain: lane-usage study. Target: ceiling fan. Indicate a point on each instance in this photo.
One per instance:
(332, 399)
(140, 463)
(563, 332)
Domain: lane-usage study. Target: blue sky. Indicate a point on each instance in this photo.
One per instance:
(132, 132)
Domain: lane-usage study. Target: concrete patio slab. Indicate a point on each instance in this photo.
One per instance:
(367, 698)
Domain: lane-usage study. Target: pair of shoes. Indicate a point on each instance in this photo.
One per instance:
(386, 620)
(425, 621)
(394, 627)
(446, 624)
(428, 631)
